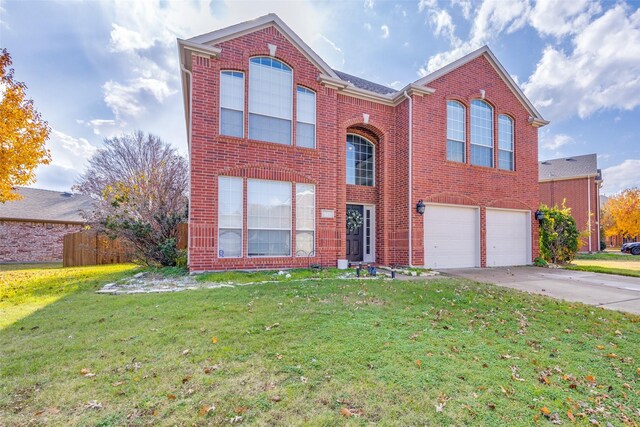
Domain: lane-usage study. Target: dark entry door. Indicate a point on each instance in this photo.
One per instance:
(355, 237)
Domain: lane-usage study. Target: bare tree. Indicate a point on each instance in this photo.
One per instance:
(139, 184)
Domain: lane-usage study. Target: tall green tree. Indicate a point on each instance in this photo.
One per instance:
(23, 133)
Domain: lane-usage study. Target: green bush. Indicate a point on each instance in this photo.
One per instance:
(540, 262)
(559, 235)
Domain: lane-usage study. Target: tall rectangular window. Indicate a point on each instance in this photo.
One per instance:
(481, 133)
(305, 219)
(306, 118)
(456, 140)
(505, 142)
(270, 100)
(269, 218)
(232, 103)
(229, 217)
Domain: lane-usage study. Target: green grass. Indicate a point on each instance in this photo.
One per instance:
(308, 352)
(608, 263)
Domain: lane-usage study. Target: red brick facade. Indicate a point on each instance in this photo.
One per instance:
(435, 180)
(31, 241)
(582, 195)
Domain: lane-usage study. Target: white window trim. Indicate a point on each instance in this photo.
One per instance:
(244, 101)
(513, 143)
(374, 160)
(291, 229)
(241, 220)
(493, 136)
(464, 131)
(314, 220)
(315, 124)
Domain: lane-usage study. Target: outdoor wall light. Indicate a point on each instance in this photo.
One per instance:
(420, 207)
(539, 216)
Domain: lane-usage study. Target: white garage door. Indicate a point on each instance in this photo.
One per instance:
(508, 238)
(451, 237)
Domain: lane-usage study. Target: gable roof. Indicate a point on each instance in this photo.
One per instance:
(569, 167)
(365, 84)
(46, 205)
(535, 119)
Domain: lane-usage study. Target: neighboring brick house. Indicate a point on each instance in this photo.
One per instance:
(282, 147)
(32, 228)
(577, 181)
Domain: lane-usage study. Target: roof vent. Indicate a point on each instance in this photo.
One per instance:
(546, 162)
(570, 159)
(67, 194)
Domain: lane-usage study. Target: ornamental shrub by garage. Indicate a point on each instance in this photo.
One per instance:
(559, 235)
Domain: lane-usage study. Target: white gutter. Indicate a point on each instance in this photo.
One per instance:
(589, 209)
(189, 131)
(406, 95)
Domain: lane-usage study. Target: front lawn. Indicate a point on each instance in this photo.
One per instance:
(327, 352)
(609, 263)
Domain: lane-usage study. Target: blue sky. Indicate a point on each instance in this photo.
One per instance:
(99, 68)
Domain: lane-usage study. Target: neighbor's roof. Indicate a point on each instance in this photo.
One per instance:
(569, 167)
(46, 205)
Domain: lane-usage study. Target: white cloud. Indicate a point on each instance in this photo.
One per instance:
(493, 17)
(125, 100)
(385, 31)
(368, 4)
(561, 17)
(67, 151)
(556, 141)
(465, 7)
(443, 24)
(336, 48)
(3, 14)
(426, 4)
(367, 26)
(620, 177)
(397, 84)
(601, 72)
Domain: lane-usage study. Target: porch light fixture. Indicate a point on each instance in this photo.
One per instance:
(420, 207)
(539, 216)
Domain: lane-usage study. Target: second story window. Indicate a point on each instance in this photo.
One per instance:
(505, 142)
(305, 118)
(481, 133)
(232, 103)
(360, 161)
(270, 100)
(456, 140)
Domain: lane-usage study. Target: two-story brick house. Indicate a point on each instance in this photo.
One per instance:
(442, 173)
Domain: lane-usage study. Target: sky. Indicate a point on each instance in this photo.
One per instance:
(96, 69)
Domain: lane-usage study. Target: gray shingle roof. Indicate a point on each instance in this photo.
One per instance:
(365, 84)
(569, 167)
(46, 205)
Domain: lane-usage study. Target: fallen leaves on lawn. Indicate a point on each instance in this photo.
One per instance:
(304, 380)
(209, 369)
(268, 328)
(214, 340)
(117, 383)
(185, 352)
(418, 363)
(171, 396)
(276, 398)
(93, 404)
(441, 402)
(570, 415)
(206, 409)
(85, 372)
(186, 379)
(590, 379)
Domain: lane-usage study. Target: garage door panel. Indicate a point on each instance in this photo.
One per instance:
(508, 238)
(451, 237)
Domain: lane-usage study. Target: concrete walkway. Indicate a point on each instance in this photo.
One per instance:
(602, 290)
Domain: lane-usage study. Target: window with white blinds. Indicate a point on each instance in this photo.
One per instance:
(270, 100)
(232, 103)
(305, 118)
(305, 219)
(269, 218)
(229, 217)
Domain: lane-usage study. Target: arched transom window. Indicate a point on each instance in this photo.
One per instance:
(360, 161)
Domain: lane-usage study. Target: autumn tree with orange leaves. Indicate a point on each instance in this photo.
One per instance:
(621, 214)
(23, 134)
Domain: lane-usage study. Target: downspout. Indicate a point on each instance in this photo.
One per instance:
(589, 209)
(406, 95)
(189, 130)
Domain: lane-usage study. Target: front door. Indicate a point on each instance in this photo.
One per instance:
(355, 237)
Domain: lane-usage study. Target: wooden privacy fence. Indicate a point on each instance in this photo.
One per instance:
(91, 248)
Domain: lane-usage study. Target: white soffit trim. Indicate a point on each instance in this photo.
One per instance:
(392, 99)
(265, 21)
(536, 119)
(567, 178)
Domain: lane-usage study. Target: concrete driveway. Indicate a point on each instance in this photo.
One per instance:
(602, 290)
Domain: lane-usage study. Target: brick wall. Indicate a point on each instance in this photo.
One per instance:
(575, 193)
(435, 179)
(33, 241)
